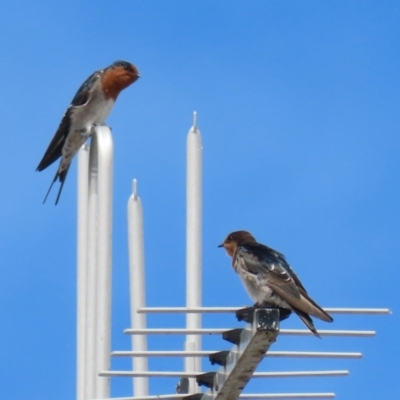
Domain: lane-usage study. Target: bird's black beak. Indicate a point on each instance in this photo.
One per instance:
(221, 245)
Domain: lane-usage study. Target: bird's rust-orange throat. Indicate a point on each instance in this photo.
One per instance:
(115, 80)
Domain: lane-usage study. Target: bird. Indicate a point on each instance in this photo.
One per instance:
(269, 280)
(89, 108)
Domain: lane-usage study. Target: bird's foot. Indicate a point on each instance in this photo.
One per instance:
(284, 313)
(94, 126)
(87, 131)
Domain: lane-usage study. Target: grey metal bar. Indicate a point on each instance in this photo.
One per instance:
(179, 374)
(219, 331)
(216, 310)
(289, 396)
(294, 354)
(242, 396)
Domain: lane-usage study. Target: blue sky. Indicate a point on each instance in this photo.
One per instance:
(298, 105)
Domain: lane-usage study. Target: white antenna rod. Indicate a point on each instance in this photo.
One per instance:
(104, 256)
(137, 286)
(83, 179)
(220, 331)
(264, 374)
(207, 353)
(91, 278)
(216, 310)
(94, 264)
(193, 245)
(255, 396)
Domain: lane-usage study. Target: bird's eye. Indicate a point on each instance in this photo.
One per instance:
(230, 238)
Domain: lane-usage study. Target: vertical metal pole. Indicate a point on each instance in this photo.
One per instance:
(94, 264)
(104, 258)
(193, 245)
(83, 160)
(92, 230)
(137, 286)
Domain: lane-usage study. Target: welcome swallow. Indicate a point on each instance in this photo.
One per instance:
(269, 280)
(90, 107)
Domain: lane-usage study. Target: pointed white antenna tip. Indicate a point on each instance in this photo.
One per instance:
(194, 120)
(134, 188)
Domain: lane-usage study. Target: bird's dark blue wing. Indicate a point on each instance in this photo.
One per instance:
(54, 150)
(269, 266)
(83, 94)
(272, 257)
(262, 259)
(272, 270)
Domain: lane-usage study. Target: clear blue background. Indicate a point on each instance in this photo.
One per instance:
(298, 105)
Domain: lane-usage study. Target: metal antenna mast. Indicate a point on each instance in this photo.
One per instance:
(251, 343)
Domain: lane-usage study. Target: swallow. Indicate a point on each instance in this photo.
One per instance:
(89, 108)
(269, 280)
